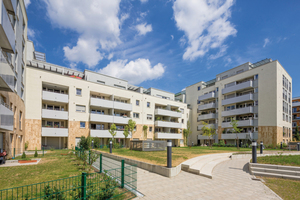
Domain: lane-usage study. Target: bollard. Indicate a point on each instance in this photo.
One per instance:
(169, 153)
(254, 156)
(261, 147)
(280, 145)
(100, 167)
(298, 146)
(110, 147)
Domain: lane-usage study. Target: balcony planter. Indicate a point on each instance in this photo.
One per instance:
(76, 77)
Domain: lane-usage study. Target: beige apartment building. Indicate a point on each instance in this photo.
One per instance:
(257, 95)
(13, 37)
(63, 104)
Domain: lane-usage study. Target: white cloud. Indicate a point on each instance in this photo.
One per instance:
(124, 17)
(267, 41)
(144, 1)
(96, 22)
(172, 36)
(27, 2)
(110, 56)
(143, 28)
(30, 33)
(205, 24)
(135, 72)
(221, 53)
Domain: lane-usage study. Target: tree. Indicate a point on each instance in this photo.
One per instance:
(131, 125)
(113, 132)
(126, 133)
(145, 128)
(189, 131)
(85, 143)
(297, 136)
(185, 136)
(208, 131)
(234, 124)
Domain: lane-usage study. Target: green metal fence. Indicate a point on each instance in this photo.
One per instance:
(115, 180)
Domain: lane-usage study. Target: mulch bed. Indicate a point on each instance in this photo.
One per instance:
(26, 161)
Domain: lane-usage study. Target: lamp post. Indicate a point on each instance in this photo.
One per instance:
(298, 146)
(254, 156)
(261, 147)
(169, 153)
(110, 146)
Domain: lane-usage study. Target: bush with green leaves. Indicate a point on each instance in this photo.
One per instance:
(96, 142)
(36, 153)
(222, 143)
(53, 193)
(85, 143)
(23, 155)
(109, 188)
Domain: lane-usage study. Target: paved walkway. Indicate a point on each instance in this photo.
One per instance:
(231, 181)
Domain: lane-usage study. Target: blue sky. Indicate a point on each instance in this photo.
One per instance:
(166, 44)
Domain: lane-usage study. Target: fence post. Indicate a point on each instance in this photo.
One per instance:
(122, 174)
(89, 157)
(83, 185)
(100, 167)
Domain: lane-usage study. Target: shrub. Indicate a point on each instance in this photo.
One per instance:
(23, 155)
(96, 142)
(109, 189)
(104, 147)
(117, 146)
(53, 193)
(215, 144)
(221, 143)
(51, 149)
(85, 143)
(26, 145)
(284, 145)
(36, 153)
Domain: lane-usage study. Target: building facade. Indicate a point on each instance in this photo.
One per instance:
(62, 105)
(257, 95)
(296, 113)
(13, 37)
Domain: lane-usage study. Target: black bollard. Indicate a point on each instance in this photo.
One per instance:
(254, 156)
(298, 146)
(93, 144)
(110, 146)
(169, 153)
(280, 145)
(261, 147)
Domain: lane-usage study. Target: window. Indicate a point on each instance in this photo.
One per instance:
(294, 110)
(283, 117)
(101, 82)
(82, 124)
(255, 90)
(134, 129)
(20, 121)
(148, 104)
(119, 86)
(136, 115)
(256, 103)
(78, 92)
(80, 108)
(182, 121)
(149, 117)
(137, 102)
(150, 129)
(199, 88)
(256, 77)
(217, 89)
(240, 71)
(182, 110)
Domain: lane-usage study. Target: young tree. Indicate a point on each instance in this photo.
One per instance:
(131, 125)
(85, 143)
(208, 131)
(126, 133)
(113, 132)
(189, 130)
(185, 136)
(297, 136)
(145, 128)
(234, 124)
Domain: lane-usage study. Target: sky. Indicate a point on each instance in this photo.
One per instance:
(166, 44)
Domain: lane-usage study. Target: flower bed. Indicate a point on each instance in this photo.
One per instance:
(26, 161)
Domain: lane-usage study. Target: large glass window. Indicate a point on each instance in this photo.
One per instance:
(82, 124)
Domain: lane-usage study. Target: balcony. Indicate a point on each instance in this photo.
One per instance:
(121, 120)
(106, 134)
(110, 104)
(101, 118)
(241, 86)
(169, 136)
(7, 34)
(122, 106)
(295, 104)
(207, 96)
(203, 137)
(207, 116)
(231, 136)
(55, 132)
(167, 124)
(207, 106)
(238, 111)
(168, 113)
(237, 99)
(56, 97)
(199, 127)
(55, 114)
(6, 117)
(102, 103)
(241, 123)
(11, 5)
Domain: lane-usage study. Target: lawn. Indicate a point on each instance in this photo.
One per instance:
(286, 189)
(179, 154)
(290, 160)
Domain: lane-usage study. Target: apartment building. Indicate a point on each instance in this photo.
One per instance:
(63, 104)
(257, 95)
(13, 36)
(296, 113)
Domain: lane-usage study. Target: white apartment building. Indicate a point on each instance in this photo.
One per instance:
(63, 104)
(13, 37)
(257, 95)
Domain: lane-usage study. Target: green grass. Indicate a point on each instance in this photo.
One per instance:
(179, 154)
(286, 189)
(52, 166)
(290, 160)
